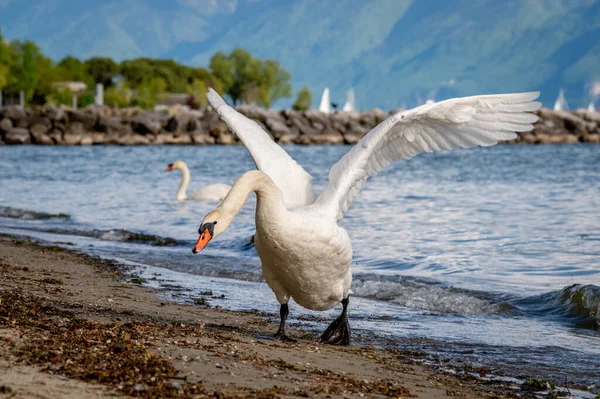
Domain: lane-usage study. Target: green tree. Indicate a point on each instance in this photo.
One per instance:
(137, 71)
(274, 83)
(222, 69)
(148, 93)
(5, 61)
(47, 74)
(248, 79)
(303, 100)
(24, 72)
(198, 90)
(102, 70)
(72, 69)
(3, 76)
(247, 74)
(119, 95)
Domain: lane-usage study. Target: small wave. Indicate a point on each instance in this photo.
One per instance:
(23, 214)
(130, 236)
(120, 235)
(425, 295)
(578, 301)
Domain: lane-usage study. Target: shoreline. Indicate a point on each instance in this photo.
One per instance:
(69, 322)
(180, 126)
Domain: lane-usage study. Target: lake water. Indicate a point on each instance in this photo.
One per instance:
(488, 255)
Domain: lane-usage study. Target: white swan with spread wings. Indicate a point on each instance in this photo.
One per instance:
(305, 254)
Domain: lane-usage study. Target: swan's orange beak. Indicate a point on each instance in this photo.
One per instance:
(202, 241)
(169, 168)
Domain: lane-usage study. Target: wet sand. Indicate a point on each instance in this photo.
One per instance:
(70, 327)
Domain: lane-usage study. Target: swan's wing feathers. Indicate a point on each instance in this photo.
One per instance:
(459, 122)
(270, 158)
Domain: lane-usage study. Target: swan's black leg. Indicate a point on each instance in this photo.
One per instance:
(283, 314)
(280, 334)
(338, 332)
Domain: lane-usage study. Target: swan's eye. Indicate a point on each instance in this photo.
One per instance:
(215, 222)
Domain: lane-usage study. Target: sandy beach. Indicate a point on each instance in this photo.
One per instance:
(71, 327)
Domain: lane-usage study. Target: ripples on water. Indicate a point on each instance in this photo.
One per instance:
(496, 247)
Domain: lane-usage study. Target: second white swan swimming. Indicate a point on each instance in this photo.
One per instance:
(212, 192)
(305, 254)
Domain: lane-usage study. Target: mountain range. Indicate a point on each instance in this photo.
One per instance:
(391, 52)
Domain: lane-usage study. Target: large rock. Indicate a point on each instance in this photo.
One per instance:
(129, 113)
(86, 119)
(57, 115)
(592, 138)
(17, 135)
(277, 127)
(352, 137)
(5, 125)
(201, 137)
(227, 139)
(219, 129)
(15, 113)
(373, 117)
(183, 122)
(170, 138)
(74, 133)
(113, 126)
(99, 111)
(328, 137)
(149, 122)
(253, 112)
(39, 133)
(56, 135)
(134, 139)
(303, 126)
(287, 139)
(316, 118)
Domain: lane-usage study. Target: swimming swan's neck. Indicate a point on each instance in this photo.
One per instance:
(185, 182)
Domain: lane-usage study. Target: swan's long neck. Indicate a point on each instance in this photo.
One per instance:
(185, 182)
(254, 181)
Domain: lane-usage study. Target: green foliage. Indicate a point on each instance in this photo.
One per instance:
(274, 83)
(5, 61)
(102, 70)
(60, 96)
(3, 75)
(248, 79)
(198, 90)
(303, 100)
(72, 69)
(222, 68)
(148, 93)
(177, 77)
(119, 95)
(24, 72)
(141, 81)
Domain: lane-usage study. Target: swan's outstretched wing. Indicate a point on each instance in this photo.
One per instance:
(270, 158)
(458, 122)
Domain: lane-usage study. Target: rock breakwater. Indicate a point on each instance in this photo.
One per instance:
(134, 126)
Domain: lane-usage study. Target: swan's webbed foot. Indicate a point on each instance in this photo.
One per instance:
(338, 332)
(283, 338)
(280, 334)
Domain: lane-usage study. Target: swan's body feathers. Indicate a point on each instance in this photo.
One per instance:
(269, 157)
(455, 123)
(212, 192)
(298, 238)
